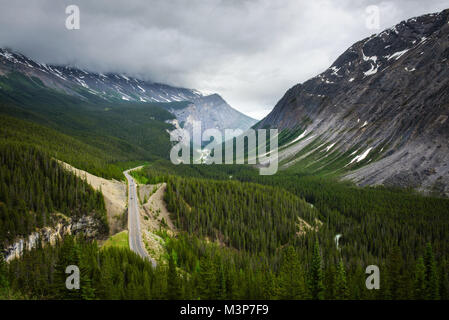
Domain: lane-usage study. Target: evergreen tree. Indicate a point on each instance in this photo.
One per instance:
(329, 282)
(444, 280)
(316, 274)
(394, 274)
(86, 264)
(432, 289)
(270, 289)
(68, 255)
(419, 281)
(173, 282)
(4, 283)
(222, 283)
(207, 286)
(341, 286)
(291, 278)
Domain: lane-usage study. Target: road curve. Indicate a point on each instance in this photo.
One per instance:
(135, 236)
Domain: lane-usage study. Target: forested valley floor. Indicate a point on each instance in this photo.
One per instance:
(242, 236)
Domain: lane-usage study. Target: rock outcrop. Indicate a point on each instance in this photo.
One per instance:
(86, 225)
(382, 106)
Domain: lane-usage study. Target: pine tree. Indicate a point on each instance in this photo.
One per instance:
(4, 283)
(173, 283)
(341, 286)
(87, 290)
(316, 274)
(444, 280)
(291, 278)
(329, 282)
(222, 283)
(394, 274)
(68, 255)
(419, 281)
(207, 284)
(432, 288)
(269, 286)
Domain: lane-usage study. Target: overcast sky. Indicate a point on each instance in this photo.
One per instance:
(250, 52)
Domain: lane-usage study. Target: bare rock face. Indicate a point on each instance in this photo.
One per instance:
(86, 225)
(213, 112)
(387, 94)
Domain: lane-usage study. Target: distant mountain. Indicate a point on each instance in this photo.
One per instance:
(212, 110)
(379, 114)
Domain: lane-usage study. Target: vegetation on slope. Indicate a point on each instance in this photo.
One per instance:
(34, 187)
(94, 133)
(386, 227)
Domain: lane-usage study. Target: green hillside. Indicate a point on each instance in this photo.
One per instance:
(34, 188)
(93, 134)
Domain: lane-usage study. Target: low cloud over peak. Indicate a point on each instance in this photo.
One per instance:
(248, 51)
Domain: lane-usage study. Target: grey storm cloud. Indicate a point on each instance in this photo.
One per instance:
(250, 52)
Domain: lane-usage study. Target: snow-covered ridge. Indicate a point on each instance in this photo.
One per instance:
(211, 109)
(376, 53)
(108, 86)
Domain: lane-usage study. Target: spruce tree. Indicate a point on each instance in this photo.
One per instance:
(341, 286)
(394, 274)
(207, 285)
(173, 283)
(432, 287)
(222, 283)
(316, 274)
(4, 283)
(419, 281)
(292, 284)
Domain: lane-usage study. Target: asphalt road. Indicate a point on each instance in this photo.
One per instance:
(135, 236)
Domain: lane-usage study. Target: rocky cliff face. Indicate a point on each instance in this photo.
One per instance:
(214, 113)
(86, 225)
(381, 110)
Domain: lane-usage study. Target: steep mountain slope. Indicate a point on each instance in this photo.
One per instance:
(107, 86)
(213, 112)
(120, 88)
(379, 114)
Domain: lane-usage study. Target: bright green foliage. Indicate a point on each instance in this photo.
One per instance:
(119, 240)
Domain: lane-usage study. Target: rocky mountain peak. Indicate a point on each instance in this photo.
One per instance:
(386, 96)
(212, 109)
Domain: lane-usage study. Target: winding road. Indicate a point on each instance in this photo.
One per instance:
(135, 236)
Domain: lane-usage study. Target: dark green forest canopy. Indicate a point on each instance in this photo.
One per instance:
(410, 219)
(197, 269)
(34, 188)
(246, 216)
(377, 224)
